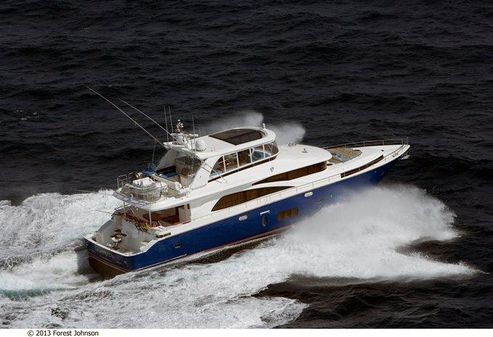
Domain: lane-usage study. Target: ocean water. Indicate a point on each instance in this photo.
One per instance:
(413, 252)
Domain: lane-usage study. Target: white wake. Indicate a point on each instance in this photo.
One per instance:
(358, 238)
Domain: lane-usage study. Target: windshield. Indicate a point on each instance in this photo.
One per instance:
(187, 165)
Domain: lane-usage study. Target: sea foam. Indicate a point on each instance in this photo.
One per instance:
(358, 238)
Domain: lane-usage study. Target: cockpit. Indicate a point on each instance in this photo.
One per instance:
(183, 170)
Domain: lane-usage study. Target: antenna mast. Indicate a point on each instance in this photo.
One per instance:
(166, 121)
(170, 116)
(193, 126)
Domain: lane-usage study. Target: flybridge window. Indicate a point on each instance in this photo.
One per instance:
(231, 161)
(244, 158)
(244, 196)
(186, 167)
(238, 136)
(271, 149)
(264, 151)
(258, 153)
(219, 166)
(188, 161)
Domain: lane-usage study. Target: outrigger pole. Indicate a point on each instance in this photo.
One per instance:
(141, 112)
(126, 115)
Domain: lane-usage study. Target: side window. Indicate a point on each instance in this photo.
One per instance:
(231, 162)
(275, 149)
(244, 157)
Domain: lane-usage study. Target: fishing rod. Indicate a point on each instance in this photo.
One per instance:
(141, 112)
(126, 115)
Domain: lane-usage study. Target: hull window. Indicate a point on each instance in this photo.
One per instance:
(289, 213)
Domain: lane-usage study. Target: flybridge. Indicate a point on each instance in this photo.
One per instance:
(191, 162)
(220, 143)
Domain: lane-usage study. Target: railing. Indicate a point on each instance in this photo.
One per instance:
(391, 141)
(124, 179)
(149, 194)
(144, 193)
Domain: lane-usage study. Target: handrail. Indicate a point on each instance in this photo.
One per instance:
(123, 179)
(390, 141)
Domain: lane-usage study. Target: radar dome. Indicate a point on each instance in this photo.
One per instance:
(200, 145)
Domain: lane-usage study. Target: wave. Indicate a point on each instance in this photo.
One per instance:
(48, 222)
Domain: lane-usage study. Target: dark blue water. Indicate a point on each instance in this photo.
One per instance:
(345, 70)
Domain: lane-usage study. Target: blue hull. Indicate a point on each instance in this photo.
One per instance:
(260, 222)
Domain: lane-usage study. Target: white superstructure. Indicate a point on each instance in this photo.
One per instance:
(198, 179)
